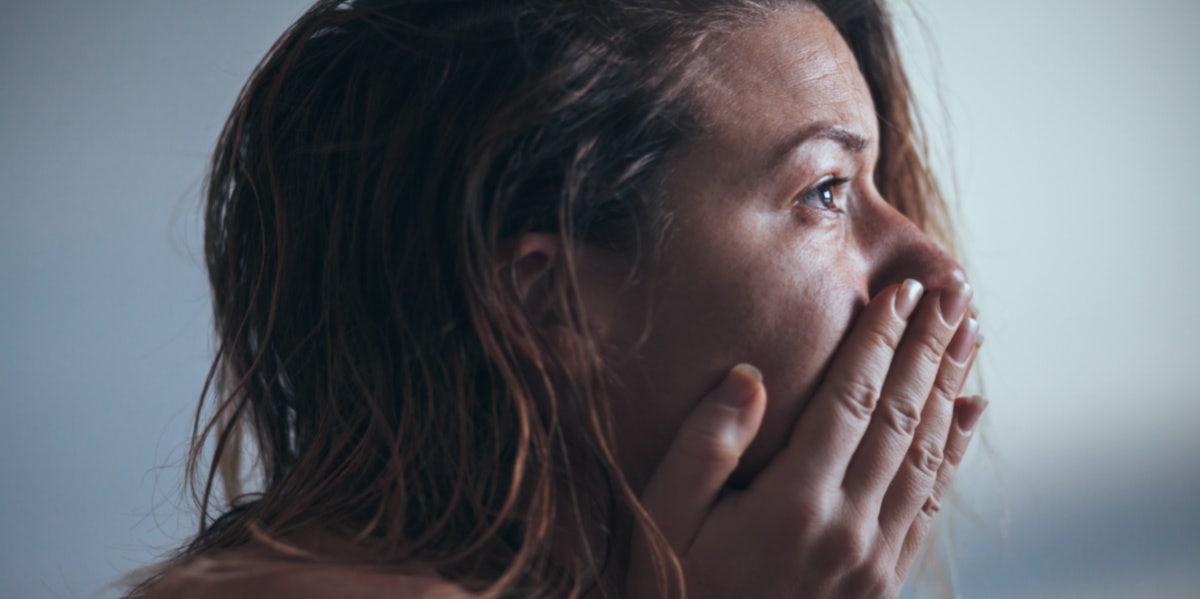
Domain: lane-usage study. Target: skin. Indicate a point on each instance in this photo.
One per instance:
(816, 472)
(757, 269)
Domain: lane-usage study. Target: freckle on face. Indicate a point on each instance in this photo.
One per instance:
(745, 276)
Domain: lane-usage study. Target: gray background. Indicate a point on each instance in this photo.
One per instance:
(1072, 128)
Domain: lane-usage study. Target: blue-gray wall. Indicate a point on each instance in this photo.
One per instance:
(1073, 131)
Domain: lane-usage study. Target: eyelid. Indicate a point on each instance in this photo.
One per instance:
(834, 184)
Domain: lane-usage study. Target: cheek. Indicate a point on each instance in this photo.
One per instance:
(805, 327)
(793, 357)
(784, 315)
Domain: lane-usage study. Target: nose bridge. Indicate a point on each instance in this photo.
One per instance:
(897, 249)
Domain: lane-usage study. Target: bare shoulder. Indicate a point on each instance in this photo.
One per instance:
(255, 571)
(308, 583)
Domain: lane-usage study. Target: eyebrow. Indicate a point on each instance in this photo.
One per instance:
(849, 140)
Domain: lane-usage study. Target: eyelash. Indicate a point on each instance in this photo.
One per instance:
(824, 196)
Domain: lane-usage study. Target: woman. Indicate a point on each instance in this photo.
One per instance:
(632, 298)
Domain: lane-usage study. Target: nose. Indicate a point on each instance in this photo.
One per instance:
(896, 249)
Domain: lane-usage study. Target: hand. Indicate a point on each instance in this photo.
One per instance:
(843, 509)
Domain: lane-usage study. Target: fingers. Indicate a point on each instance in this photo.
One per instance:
(912, 485)
(910, 381)
(967, 411)
(829, 429)
(705, 451)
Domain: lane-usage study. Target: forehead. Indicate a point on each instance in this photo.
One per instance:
(756, 84)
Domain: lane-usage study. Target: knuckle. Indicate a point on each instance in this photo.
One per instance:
(945, 387)
(925, 456)
(797, 530)
(929, 350)
(883, 335)
(954, 454)
(808, 509)
(859, 396)
(805, 516)
(709, 446)
(846, 546)
(932, 506)
(871, 580)
(902, 415)
(881, 578)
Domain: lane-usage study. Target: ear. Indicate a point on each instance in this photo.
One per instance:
(532, 258)
(535, 263)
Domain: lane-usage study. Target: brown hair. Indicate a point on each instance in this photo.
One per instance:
(371, 348)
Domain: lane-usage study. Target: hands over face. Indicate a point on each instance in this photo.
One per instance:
(843, 509)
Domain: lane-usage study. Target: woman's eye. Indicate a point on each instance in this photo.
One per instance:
(825, 196)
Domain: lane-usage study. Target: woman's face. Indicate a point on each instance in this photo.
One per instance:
(777, 238)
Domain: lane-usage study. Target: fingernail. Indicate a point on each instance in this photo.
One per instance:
(968, 417)
(734, 391)
(954, 301)
(907, 298)
(964, 340)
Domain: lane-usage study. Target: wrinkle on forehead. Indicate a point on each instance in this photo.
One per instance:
(771, 76)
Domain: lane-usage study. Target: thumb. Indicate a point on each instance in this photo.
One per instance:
(705, 451)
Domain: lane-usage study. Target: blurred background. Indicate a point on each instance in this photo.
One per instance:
(1075, 146)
